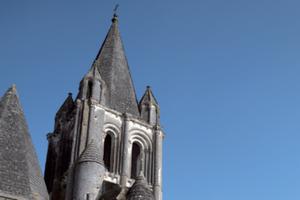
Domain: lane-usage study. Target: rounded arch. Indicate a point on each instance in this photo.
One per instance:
(143, 138)
(89, 89)
(111, 144)
(114, 129)
(136, 159)
(144, 161)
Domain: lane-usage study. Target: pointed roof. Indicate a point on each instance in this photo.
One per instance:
(67, 106)
(140, 190)
(91, 154)
(20, 172)
(148, 97)
(113, 67)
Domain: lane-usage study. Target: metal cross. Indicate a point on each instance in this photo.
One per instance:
(116, 9)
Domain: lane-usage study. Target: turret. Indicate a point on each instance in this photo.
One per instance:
(64, 113)
(92, 85)
(59, 149)
(89, 173)
(149, 108)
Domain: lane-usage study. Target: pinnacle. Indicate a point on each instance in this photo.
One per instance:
(148, 97)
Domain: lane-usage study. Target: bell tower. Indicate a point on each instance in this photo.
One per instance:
(105, 144)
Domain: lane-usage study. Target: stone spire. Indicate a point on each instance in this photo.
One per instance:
(149, 107)
(89, 173)
(91, 85)
(113, 67)
(140, 190)
(148, 97)
(20, 173)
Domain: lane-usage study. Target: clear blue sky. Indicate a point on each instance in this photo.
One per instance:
(226, 75)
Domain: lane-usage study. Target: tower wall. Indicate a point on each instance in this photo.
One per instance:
(88, 180)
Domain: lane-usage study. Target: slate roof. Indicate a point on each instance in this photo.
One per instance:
(113, 67)
(140, 190)
(20, 173)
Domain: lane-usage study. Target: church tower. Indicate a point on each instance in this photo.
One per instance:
(105, 144)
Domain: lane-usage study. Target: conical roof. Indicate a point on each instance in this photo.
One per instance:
(148, 97)
(91, 154)
(20, 173)
(140, 190)
(113, 67)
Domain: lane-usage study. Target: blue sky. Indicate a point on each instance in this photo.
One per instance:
(226, 75)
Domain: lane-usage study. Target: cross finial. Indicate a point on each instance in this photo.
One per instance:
(115, 17)
(116, 9)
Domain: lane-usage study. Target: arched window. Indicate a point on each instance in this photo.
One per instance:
(89, 89)
(107, 152)
(136, 160)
